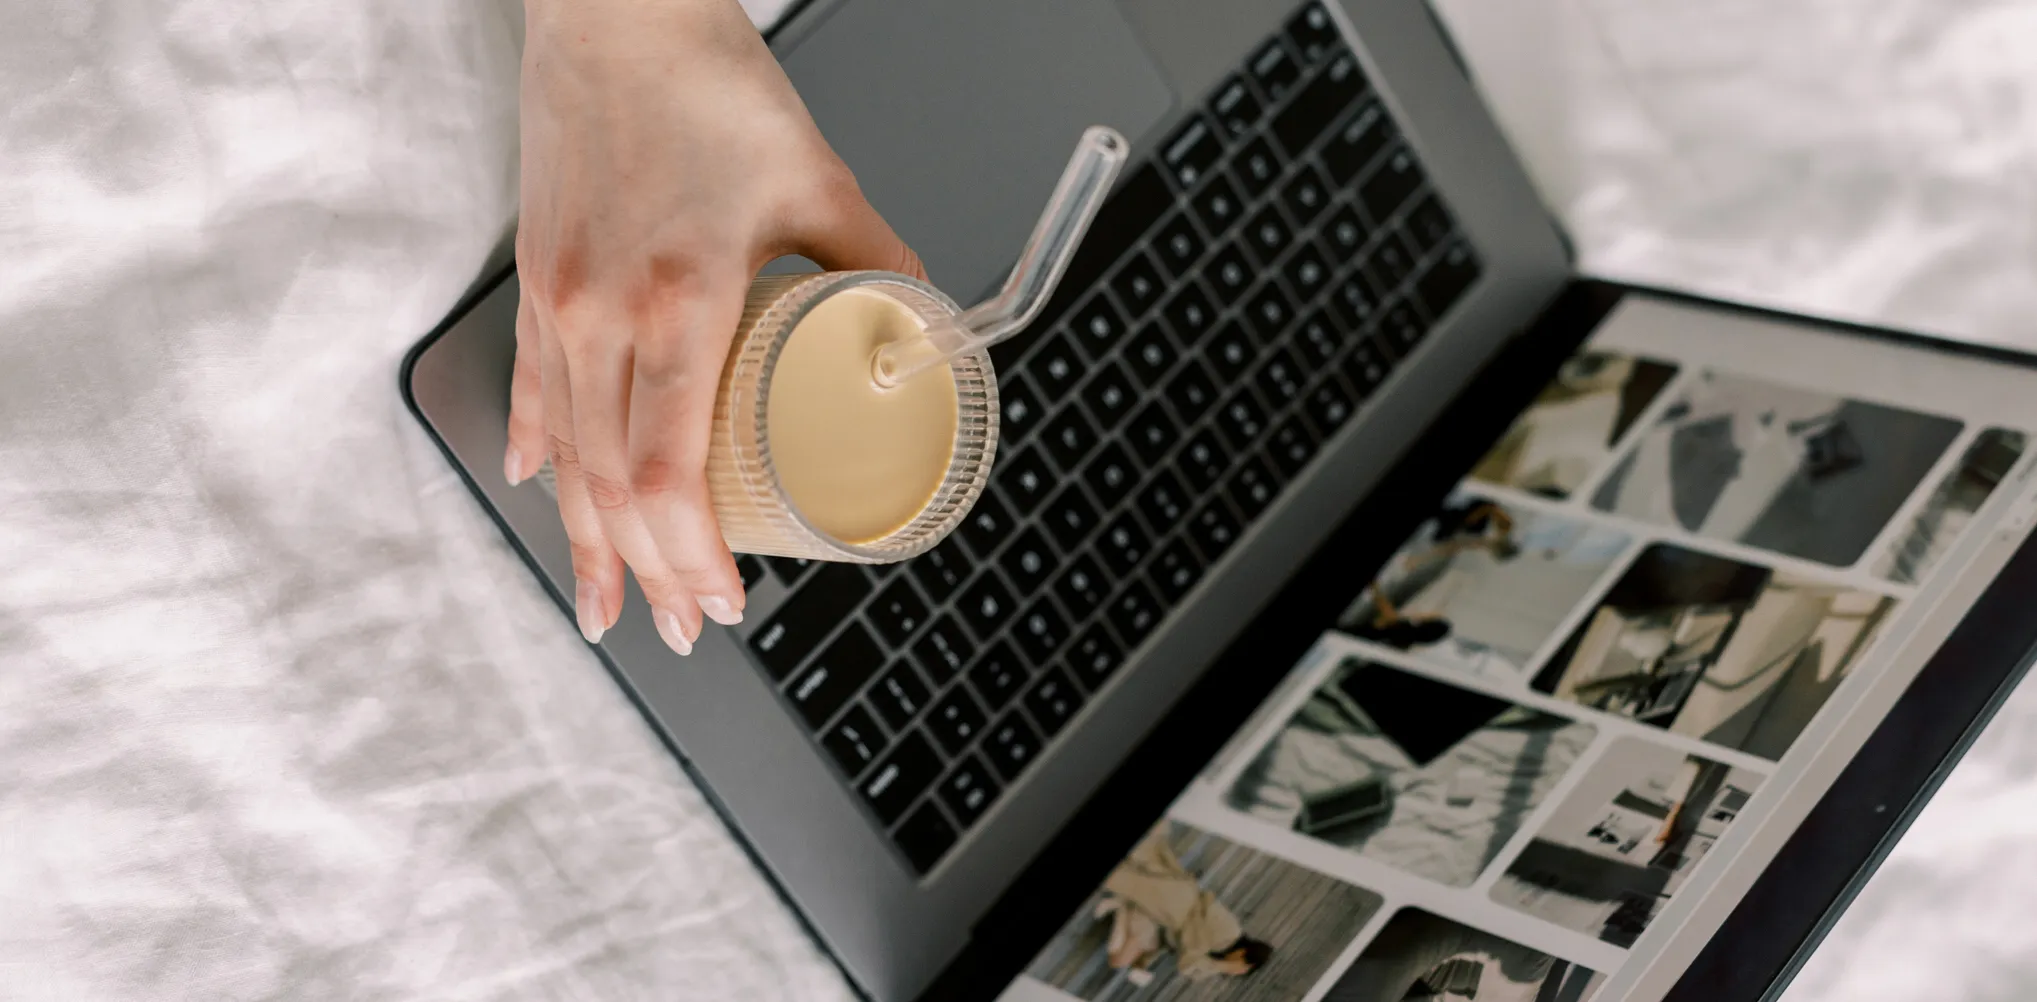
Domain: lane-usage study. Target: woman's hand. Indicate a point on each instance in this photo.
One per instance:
(666, 159)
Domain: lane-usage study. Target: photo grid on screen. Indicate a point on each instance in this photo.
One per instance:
(1538, 717)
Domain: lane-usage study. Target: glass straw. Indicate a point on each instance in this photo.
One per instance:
(1073, 206)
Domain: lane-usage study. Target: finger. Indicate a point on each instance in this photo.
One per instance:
(526, 400)
(601, 390)
(597, 568)
(845, 233)
(671, 416)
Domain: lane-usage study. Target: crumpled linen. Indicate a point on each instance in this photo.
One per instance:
(282, 717)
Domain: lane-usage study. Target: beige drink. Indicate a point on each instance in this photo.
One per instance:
(810, 457)
(858, 461)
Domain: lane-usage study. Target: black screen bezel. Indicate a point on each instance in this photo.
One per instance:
(1773, 929)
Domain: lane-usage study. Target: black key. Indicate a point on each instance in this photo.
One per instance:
(1095, 657)
(1150, 354)
(1448, 276)
(1397, 177)
(1176, 569)
(1111, 475)
(1189, 313)
(1055, 367)
(1040, 631)
(1082, 586)
(1318, 339)
(1281, 378)
(1312, 31)
(1214, 529)
(1235, 107)
(1357, 141)
(986, 606)
(944, 650)
(1134, 612)
(998, 675)
(751, 569)
(1018, 407)
(1402, 327)
(925, 837)
(1242, 418)
(1028, 561)
(789, 569)
(1053, 701)
(1098, 326)
(1367, 367)
(1217, 206)
(968, 790)
(854, 741)
(1389, 263)
(1267, 234)
(785, 639)
(1202, 461)
(899, 696)
(1232, 353)
(1345, 234)
(956, 720)
(1317, 105)
(1152, 433)
(1306, 271)
(1194, 148)
(1178, 245)
(834, 678)
(898, 612)
(1070, 517)
(1328, 406)
(901, 777)
(989, 524)
(1070, 436)
(1137, 284)
(1109, 395)
(1190, 391)
(1005, 354)
(1124, 544)
(1268, 312)
(1254, 486)
(1230, 273)
(1256, 167)
(1428, 225)
(1011, 745)
(1292, 445)
(1275, 69)
(1139, 202)
(941, 570)
(1026, 480)
(1353, 302)
(1163, 502)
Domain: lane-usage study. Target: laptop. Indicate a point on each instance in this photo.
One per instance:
(1366, 605)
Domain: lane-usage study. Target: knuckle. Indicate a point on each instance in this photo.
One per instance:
(607, 493)
(587, 555)
(659, 475)
(565, 455)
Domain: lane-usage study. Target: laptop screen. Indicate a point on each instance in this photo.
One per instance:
(1592, 693)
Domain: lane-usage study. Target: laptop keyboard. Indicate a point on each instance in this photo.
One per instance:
(1239, 297)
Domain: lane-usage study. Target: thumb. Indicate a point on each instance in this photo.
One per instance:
(848, 234)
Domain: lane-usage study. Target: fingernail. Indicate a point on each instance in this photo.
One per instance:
(673, 631)
(587, 609)
(718, 609)
(512, 467)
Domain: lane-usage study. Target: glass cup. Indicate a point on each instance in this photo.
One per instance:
(756, 513)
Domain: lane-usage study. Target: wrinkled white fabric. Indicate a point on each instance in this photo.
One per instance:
(282, 717)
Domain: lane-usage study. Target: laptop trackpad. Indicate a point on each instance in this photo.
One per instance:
(958, 115)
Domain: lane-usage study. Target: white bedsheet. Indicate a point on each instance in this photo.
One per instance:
(281, 716)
